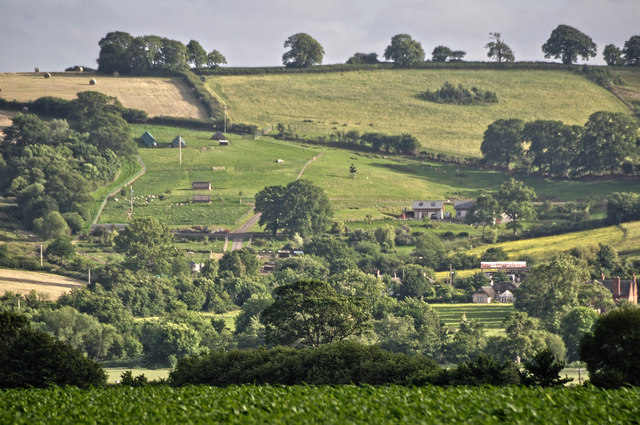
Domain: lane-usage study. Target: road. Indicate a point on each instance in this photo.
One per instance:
(239, 235)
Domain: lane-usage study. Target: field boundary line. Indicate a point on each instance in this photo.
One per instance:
(314, 158)
(135, 177)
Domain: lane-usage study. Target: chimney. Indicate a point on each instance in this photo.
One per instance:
(616, 287)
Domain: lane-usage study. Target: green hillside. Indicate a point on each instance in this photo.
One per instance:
(383, 184)
(387, 101)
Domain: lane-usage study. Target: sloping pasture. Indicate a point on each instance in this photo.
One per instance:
(156, 96)
(388, 101)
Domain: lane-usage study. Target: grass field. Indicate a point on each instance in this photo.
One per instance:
(246, 166)
(624, 238)
(156, 96)
(50, 285)
(383, 186)
(387, 101)
(114, 373)
(491, 315)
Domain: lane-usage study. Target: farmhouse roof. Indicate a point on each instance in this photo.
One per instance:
(463, 205)
(428, 205)
(177, 140)
(488, 290)
(149, 140)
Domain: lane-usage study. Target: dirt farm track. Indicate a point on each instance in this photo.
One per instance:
(50, 285)
(156, 96)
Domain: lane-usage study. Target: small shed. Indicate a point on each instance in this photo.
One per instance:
(178, 141)
(149, 140)
(202, 198)
(201, 185)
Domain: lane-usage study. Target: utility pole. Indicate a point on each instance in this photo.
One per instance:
(131, 198)
(225, 120)
(41, 260)
(180, 148)
(89, 276)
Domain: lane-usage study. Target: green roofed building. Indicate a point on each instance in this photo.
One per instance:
(149, 140)
(177, 140)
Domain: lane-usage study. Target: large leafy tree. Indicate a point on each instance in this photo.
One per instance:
(147, 244)
(609, 138)
(502, 141)
(485, 212)
(269, 202)
(551, 290)
(441, 54)
(631, 51)
(515, 198)
(311, 313)
(196, 53)
(300, 207)
(305, 51)
(215, 58)
(567, 43)
(552, 145)
(404, 51)
(498, 49)
(573, 326)
(25, 130)
(612, 349)
(114, 52)
(612, 55)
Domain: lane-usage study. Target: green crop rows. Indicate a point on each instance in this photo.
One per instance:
(326, 405)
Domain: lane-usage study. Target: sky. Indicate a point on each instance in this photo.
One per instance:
(56, 34)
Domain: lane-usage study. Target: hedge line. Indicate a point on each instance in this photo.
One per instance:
(334, 364)
(386, 65)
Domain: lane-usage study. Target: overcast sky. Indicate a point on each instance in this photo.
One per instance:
(56, 34)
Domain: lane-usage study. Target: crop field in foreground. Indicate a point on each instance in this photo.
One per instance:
(23, 282)
(156, 96)
(387, 101)
(326, 405)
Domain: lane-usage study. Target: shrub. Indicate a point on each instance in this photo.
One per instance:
(460, 95)
(612, 349)
(338, 363)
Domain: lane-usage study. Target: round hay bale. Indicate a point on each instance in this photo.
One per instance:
(47, 75)
(92, 81)
(116, 74)
(80, 69)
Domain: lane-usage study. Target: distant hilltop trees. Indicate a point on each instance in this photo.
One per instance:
(121, 52)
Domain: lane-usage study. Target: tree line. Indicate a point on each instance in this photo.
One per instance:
(121, 52)
(606, 144)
